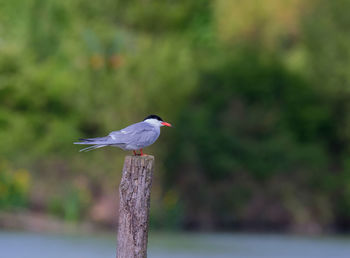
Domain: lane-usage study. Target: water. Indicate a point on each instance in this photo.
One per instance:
(168, 245)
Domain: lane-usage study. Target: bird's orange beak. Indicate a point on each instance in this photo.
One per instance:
(166, 124)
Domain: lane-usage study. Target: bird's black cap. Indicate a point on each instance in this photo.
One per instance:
(153, 117)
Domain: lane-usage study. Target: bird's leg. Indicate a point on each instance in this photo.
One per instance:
(136, 154)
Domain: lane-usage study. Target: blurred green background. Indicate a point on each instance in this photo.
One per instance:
(258, 91)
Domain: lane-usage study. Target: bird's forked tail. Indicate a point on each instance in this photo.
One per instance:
(98, 142)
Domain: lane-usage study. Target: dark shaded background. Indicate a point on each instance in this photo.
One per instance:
(258, 91)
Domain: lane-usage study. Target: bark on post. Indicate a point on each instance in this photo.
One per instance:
(134, 192)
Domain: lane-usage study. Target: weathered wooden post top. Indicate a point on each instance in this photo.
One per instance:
(134, 192)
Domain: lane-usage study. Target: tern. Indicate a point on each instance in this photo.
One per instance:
(134, 137)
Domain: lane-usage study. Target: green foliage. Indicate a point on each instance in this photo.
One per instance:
(72, 205)
(167, 213)
(236, 124)
(14, 187)
(162, 16)
(258, 93)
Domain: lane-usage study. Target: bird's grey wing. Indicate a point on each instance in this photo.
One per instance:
(140, 134)
(144, 138)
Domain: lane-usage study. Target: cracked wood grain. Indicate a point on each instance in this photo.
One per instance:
(134, 192)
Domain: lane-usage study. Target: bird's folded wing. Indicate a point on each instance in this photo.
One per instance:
(144, 138)
(139, 133)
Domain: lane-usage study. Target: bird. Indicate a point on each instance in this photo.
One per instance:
(134, 137)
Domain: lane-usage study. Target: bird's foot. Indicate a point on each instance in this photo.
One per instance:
(139, 154)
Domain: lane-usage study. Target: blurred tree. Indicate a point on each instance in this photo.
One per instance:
(327, 40)
(258, 92)
(251, 117)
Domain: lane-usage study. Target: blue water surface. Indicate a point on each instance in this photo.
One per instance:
(174, 245)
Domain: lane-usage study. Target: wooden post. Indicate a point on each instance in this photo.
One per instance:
(135, 192)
